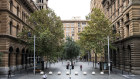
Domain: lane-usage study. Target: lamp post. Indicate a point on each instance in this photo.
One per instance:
(34, 54)
(88, 57)
(70, 66)
(29, 35)
(108, 56)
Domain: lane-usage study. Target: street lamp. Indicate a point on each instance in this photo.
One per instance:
(108, 56)
(29, 35)
(34, 54)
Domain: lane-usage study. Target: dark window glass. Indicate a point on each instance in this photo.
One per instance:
(11, 5)
(17, 11)
(10, 27)
(17, 29)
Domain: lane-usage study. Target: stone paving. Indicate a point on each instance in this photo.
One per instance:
(87, 67)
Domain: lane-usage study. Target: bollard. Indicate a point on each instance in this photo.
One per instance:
(41, 73)
(50, 73)
(85, 73)
(102, 73)
(67, 73)
(59, 73)
(76, 73)
(93, 73)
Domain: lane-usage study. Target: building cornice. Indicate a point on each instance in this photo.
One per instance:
(74, 20)
(29, 4)
(12, 37)
(127, 38)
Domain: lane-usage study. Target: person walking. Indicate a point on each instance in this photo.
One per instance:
(9, 73)
(44, 76)
(81, 67)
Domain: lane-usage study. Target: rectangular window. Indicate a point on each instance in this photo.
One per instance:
(79, 25)
(114, 6)
(127, 30)
(22, 15)
(118, 3)
(67, 29)
(67, 25)
(17, 29)
(72, 29)
(17, 11)
(10, 28)
(118, 12)
(72, 24)
(127, 16)
(118, 24)
(42, 7)
(128, 2)
(83, 23)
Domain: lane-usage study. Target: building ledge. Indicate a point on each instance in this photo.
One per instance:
(128, 38)
(13, 38)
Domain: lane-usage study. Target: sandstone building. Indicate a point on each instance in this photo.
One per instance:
(42, 4)
(13, 19)
(125, 18)
(73, 27)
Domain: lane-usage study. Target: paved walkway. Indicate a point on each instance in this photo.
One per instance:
(87, 67)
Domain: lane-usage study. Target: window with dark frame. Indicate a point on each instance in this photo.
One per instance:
(17, 11)
(127, 30)
(11, 27)
(11, 5)
(118, 3)
(17, 29)
(127, 16)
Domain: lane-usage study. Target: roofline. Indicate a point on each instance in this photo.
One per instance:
(73, 20)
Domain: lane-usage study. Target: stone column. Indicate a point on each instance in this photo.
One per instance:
(12, 61)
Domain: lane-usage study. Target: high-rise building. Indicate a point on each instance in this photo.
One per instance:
(13, 20)
(125, 18)
(42, 4)
(73, 27)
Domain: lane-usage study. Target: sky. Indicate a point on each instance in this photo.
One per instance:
(67, 9)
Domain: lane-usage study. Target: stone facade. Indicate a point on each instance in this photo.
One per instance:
(96, 4)
(73, 27)
(13, 19)
(42, 4)
(125, 18)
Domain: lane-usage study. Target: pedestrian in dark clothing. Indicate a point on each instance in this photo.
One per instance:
(9, 73)
(81, 67)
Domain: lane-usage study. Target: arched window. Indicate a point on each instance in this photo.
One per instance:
(11, 5)
(11, 27)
